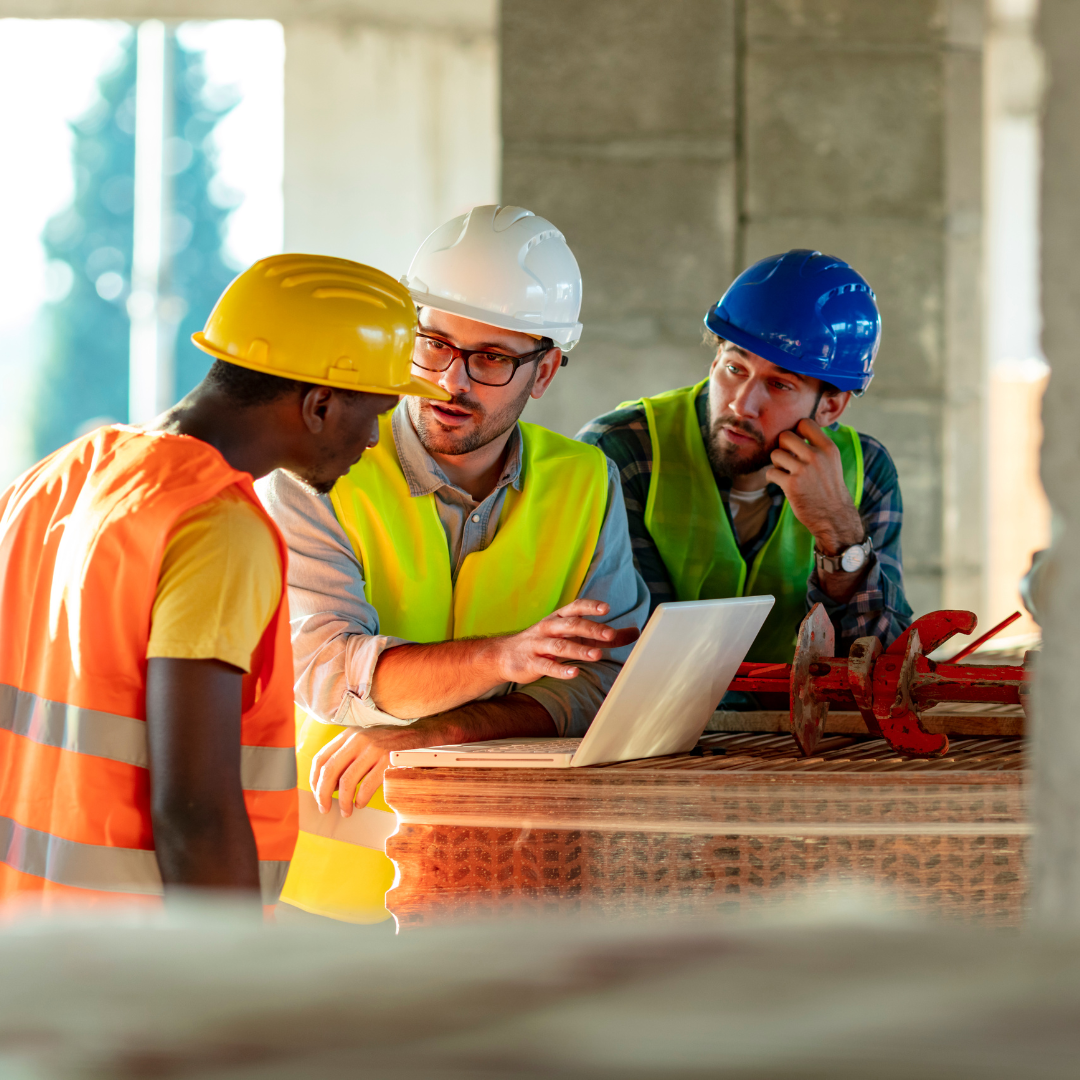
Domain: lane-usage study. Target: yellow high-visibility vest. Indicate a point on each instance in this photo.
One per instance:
(687, 521)
(537, 562)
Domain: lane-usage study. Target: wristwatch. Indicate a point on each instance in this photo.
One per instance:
(848, 561)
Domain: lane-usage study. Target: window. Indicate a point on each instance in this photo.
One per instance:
(149, 162)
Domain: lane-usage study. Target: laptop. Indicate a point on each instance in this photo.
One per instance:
(678, 671)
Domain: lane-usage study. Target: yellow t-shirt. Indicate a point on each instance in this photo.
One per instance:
(219, 585)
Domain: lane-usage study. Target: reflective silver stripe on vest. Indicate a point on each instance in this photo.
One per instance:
(104, 869)
(83, 866)
(83, 731)
(272, 879)
(366, 826)
(123, 738)
(268, 768)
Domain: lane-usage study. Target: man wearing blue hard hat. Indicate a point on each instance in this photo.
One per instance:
(747, 483)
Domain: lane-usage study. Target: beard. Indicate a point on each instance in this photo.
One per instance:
(487, 427)
(730, 461)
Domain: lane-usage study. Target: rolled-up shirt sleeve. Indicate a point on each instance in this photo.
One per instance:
(613, 579)
(335, 631)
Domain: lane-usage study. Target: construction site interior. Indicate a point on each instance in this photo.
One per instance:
(864, 859)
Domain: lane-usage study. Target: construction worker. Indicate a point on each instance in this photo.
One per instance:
(466, 579)
(146, 713)
(748, 484)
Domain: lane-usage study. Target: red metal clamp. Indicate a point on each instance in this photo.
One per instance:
(890, 689)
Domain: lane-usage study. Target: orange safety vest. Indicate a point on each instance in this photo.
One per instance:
(82, 536)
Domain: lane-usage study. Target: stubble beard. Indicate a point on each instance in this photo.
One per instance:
(436, 439)
(728, 460)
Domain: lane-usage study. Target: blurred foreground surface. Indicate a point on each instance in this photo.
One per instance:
(807, 998)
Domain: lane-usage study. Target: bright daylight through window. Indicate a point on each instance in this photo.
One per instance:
(149, 163)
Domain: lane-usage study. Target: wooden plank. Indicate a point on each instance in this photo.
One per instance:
(740, 822)
(961, 718)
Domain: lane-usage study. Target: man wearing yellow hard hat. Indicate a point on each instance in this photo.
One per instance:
(147, 727)
(472, 577)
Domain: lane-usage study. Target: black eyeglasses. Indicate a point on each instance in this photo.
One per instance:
(486, 368)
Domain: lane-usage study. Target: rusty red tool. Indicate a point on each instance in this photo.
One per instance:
(890, 688)
(967, 650)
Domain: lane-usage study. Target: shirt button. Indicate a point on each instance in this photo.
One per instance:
(476, 517)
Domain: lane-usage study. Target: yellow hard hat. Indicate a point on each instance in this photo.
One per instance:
(320, 320)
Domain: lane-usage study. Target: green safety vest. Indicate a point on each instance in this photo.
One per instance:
(536, 563)
(687, 520)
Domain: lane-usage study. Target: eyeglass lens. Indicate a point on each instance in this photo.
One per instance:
(488, 368)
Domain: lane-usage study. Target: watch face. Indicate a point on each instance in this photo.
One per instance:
(853, 559)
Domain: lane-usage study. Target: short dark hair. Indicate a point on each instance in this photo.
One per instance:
(714, 341)
(245, 387)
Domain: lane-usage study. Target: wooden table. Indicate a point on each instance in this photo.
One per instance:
(740, 823)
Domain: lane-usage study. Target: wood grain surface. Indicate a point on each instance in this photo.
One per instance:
(743, 822)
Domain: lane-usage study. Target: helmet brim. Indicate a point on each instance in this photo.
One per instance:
(729, 332)
(565, 335)
(413, 388)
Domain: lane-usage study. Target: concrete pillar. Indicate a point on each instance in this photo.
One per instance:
(676, 143)
(618, 123)
(863, 138)
(1057, 734)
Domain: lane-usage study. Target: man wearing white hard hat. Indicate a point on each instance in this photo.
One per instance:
(472, 577)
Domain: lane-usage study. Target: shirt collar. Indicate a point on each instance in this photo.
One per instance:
(422, 471)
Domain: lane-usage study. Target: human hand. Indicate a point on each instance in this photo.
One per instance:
(807, 467)
(565, 635)
(353, 762)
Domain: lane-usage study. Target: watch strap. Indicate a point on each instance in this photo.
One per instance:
(832, 563)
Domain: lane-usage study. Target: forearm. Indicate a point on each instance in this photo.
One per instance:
(205, 846)
(202, 834)
(513, 716)
(877, 608)
(573, 703)
(839, 586)
(421, 680)
(877, 605)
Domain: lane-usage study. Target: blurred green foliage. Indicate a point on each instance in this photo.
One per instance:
(84, 376)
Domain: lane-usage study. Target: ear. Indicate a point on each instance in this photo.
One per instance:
(831, 407)
(546, 369)
(314, 407)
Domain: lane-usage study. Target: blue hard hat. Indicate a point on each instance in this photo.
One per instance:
(806, 312)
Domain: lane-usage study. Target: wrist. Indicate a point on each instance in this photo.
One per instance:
(849, 560)
(490, 659)
(834, 540)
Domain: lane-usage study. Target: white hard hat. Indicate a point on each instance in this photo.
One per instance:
(504, 266)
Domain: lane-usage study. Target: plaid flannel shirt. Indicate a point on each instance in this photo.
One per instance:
(878, 606)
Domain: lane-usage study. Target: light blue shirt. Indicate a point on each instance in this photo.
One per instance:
(335, 631)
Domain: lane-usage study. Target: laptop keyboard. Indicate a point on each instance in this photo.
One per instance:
(536, 746)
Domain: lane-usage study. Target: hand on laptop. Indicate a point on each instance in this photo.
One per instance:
(353, 763)
(417, 679)
(566, 634)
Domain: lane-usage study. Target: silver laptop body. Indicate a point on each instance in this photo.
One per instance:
(678, 671)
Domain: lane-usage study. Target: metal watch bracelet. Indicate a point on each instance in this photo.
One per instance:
(856, 555)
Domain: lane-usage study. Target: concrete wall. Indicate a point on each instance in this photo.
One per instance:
(390, 129)
(674, 144)
(628, 143)
(1057, 734)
